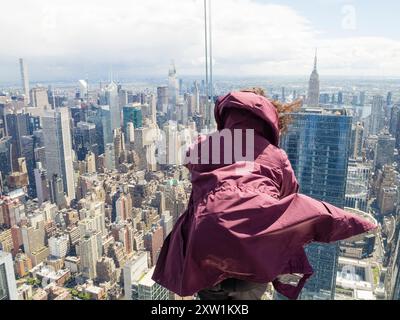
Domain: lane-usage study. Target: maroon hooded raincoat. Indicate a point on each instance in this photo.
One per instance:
(248, 224)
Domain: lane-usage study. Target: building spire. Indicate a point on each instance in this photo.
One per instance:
(315, 59)
(111, 74)
(313, 86)
(172, 69)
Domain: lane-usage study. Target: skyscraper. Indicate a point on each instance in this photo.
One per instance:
(39, 98)
(124, 233)
(162, 99)
(5, 157)
(83, 89)
(130, 133)
(393, 280)
(42, 184)
(59, 246)
(24, 79)
(132, 114)
(89, 253)
(109, 156)
(181, 89)
(166, 223)
(17, 126)
(134, 270)
(93, 215)
(362, 98)
(357, 134)
(148, 289)
(123, 97)
(394, 120)
(57, 194)
(112, 98)
(33, 238)
(28, 153)
(394, 124)
(384, 152)
(90, 160)
(106, 125)
(3, 128)
(377, 115)
(153, 241)
(122, 208)
(85, 140)
(152, 100)
(172, 144)
(357, 194)
(101, 117)
(317, 144)
(8, 286)
(389, 98)
(57, 141)
(340, 99)
(196, 98)
(313, 86)
(173, 89)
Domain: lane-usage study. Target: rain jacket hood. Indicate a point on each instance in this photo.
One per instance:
(260, 109)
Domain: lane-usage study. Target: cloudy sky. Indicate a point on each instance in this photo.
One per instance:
(72, 39)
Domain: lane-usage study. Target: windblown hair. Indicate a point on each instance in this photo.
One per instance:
(284, 109)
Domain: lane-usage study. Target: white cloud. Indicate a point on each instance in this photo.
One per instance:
(60, 37)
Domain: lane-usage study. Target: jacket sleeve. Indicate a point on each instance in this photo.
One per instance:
(289, 183)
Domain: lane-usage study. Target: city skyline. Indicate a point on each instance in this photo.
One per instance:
(103, 202)
(97, 168)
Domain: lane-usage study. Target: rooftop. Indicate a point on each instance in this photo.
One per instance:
(324, 111)
(146, 280)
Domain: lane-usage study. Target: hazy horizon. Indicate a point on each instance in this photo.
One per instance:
(162, 80)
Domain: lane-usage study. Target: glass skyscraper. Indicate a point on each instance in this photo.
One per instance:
(132, 114)
(8, 287)
(317, 144)
(101, 117)
(57, 140)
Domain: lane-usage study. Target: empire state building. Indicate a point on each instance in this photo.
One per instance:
(313, 87)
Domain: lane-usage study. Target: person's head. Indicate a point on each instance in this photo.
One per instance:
(283, 108)
(251, 109)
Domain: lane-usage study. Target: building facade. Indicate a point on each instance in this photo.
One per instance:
(57, 141)
(317, 144)
(8, 287)
(313, 87)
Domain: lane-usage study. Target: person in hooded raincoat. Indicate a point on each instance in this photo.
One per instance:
(246, 224)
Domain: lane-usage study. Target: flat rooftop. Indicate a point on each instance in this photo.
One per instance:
(146, 280)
